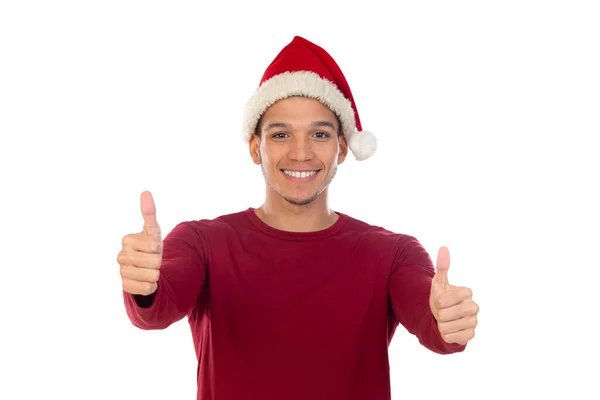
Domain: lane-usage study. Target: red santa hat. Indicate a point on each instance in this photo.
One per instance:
(304, 69)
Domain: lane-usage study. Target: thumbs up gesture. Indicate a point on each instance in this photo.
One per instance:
(452, 306)
(141, 255)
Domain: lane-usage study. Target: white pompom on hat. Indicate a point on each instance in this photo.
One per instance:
(304, 69)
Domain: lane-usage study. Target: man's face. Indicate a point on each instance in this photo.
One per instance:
(298, 148)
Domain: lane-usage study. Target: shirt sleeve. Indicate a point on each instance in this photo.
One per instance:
(409, 288)
(182, 278)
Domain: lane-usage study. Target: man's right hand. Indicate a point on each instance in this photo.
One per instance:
(141, 256)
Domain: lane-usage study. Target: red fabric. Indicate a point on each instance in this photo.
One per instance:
(303, 55)
(282, 315)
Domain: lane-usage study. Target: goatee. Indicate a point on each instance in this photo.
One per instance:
(296, 201)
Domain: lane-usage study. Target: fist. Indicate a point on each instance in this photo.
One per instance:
(141, 255)
(452, 306)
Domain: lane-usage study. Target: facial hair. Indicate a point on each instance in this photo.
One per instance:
(299, 202)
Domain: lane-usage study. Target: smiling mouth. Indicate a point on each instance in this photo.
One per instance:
(300, 175)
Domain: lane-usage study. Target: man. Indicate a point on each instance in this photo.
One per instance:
(292, 300)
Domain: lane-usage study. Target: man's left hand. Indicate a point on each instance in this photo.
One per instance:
(452, 306)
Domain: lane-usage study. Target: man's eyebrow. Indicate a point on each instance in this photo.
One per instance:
(315, 124)
(276, 125)
(322, 124)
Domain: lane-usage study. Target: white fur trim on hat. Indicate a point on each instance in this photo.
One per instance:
(309, 84)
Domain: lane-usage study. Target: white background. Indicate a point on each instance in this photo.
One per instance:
(487, 114)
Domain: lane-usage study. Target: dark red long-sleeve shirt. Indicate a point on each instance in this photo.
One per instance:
(287, 315)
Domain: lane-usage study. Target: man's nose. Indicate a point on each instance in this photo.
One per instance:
(301, 149)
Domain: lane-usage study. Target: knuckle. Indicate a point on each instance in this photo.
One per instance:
(126, 241)
(144, 287)
(469, 292)
(154, 275)
(127, 272)
(443, 328)
(466, 309)
(442, 315)
(156, 262)
(153, 230)
(122, 258)
(472, 309)
(151, 245)
(148, 288)
(439, 302)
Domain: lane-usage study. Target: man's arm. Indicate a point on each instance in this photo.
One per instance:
(409, 289)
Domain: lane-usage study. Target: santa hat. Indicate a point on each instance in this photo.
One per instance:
(304, 69)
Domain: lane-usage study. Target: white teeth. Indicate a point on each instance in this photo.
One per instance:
(296, 174)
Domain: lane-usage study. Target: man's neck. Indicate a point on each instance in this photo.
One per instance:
(285, 216)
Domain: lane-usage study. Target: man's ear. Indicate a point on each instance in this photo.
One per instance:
(343, 149)
(254, 147)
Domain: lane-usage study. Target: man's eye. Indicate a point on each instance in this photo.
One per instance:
(322, 135)
(279, 135)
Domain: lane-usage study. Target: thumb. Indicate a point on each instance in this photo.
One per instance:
(441, 269)
(151, 227)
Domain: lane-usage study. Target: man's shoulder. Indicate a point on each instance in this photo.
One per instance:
(374, 230)
(232, 222)
(406, 246)
(233, 218)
